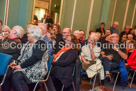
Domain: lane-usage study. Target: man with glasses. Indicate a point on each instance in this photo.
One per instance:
(59, 44)
(126, 31)
(112, 54)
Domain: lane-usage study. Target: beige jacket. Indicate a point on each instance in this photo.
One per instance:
(95, 69)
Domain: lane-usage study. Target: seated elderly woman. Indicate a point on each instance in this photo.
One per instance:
(30, 66)
(11, 41)
(131, 51)
(63, 64)
(89, 56)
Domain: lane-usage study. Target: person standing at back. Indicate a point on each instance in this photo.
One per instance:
(114, 27)
(101, 29)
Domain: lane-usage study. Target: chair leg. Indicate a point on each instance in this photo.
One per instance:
(129, 75)
(62, 88)
(132, 79)
(35, 86)
(73, 86)
(94, 82)
(115, 81)
(45, 87)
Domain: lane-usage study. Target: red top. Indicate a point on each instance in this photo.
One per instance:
(14, 38)
(132, 59)
(82, 40)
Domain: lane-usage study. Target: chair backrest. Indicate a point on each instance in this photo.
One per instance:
(4, 61)
(49, 62)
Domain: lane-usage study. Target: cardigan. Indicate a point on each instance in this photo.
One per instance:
(132, 59)
(33, 60)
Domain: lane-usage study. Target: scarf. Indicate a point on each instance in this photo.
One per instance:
(64, 49)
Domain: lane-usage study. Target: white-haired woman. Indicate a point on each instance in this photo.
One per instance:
(31, 65)
(89, 56)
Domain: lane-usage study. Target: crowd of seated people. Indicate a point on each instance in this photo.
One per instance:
(102, 52)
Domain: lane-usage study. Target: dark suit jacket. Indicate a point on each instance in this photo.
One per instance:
(99, 30)
(63, 68)
(59, 44)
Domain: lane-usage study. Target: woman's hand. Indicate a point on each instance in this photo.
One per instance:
(109, 57)
(18, 67)
(12, 65)
(86, 62)
(126, 64)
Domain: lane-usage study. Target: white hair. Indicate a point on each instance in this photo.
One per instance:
(94, 36)
(44, 25)
(116, 23)
(19, 31)
(76, 31)
(35, 31)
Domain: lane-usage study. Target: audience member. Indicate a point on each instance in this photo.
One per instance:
(59, 44)
(125, 31)
(24, 39)
(123, 38)
(51, 41)
(12, 44)
(131, 61)
(35, 21)
(114, 27)
(57, 30)
(30, 66)
(43, 28)
(130, 36)
(86, 41)
(132, 31)
(5, 31)
(113, 54)
(48, 19)
(82, 34)
(43, 19)
(89, 56)
(63, 64)
(105, 39)
(101, 29)
(77, 34)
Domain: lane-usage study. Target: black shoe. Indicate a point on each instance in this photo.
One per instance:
(107, 78)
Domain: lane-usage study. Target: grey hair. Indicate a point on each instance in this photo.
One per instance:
(117, 23)
(94, 36)
(35, 31)
(19, 31)
(44, 25)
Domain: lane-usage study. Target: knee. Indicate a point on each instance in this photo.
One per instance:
(105, 59)
(17, 76)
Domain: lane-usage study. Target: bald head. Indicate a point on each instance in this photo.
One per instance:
(43, 28)
(115, 24)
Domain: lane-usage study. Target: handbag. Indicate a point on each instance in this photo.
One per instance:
(86, 66)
